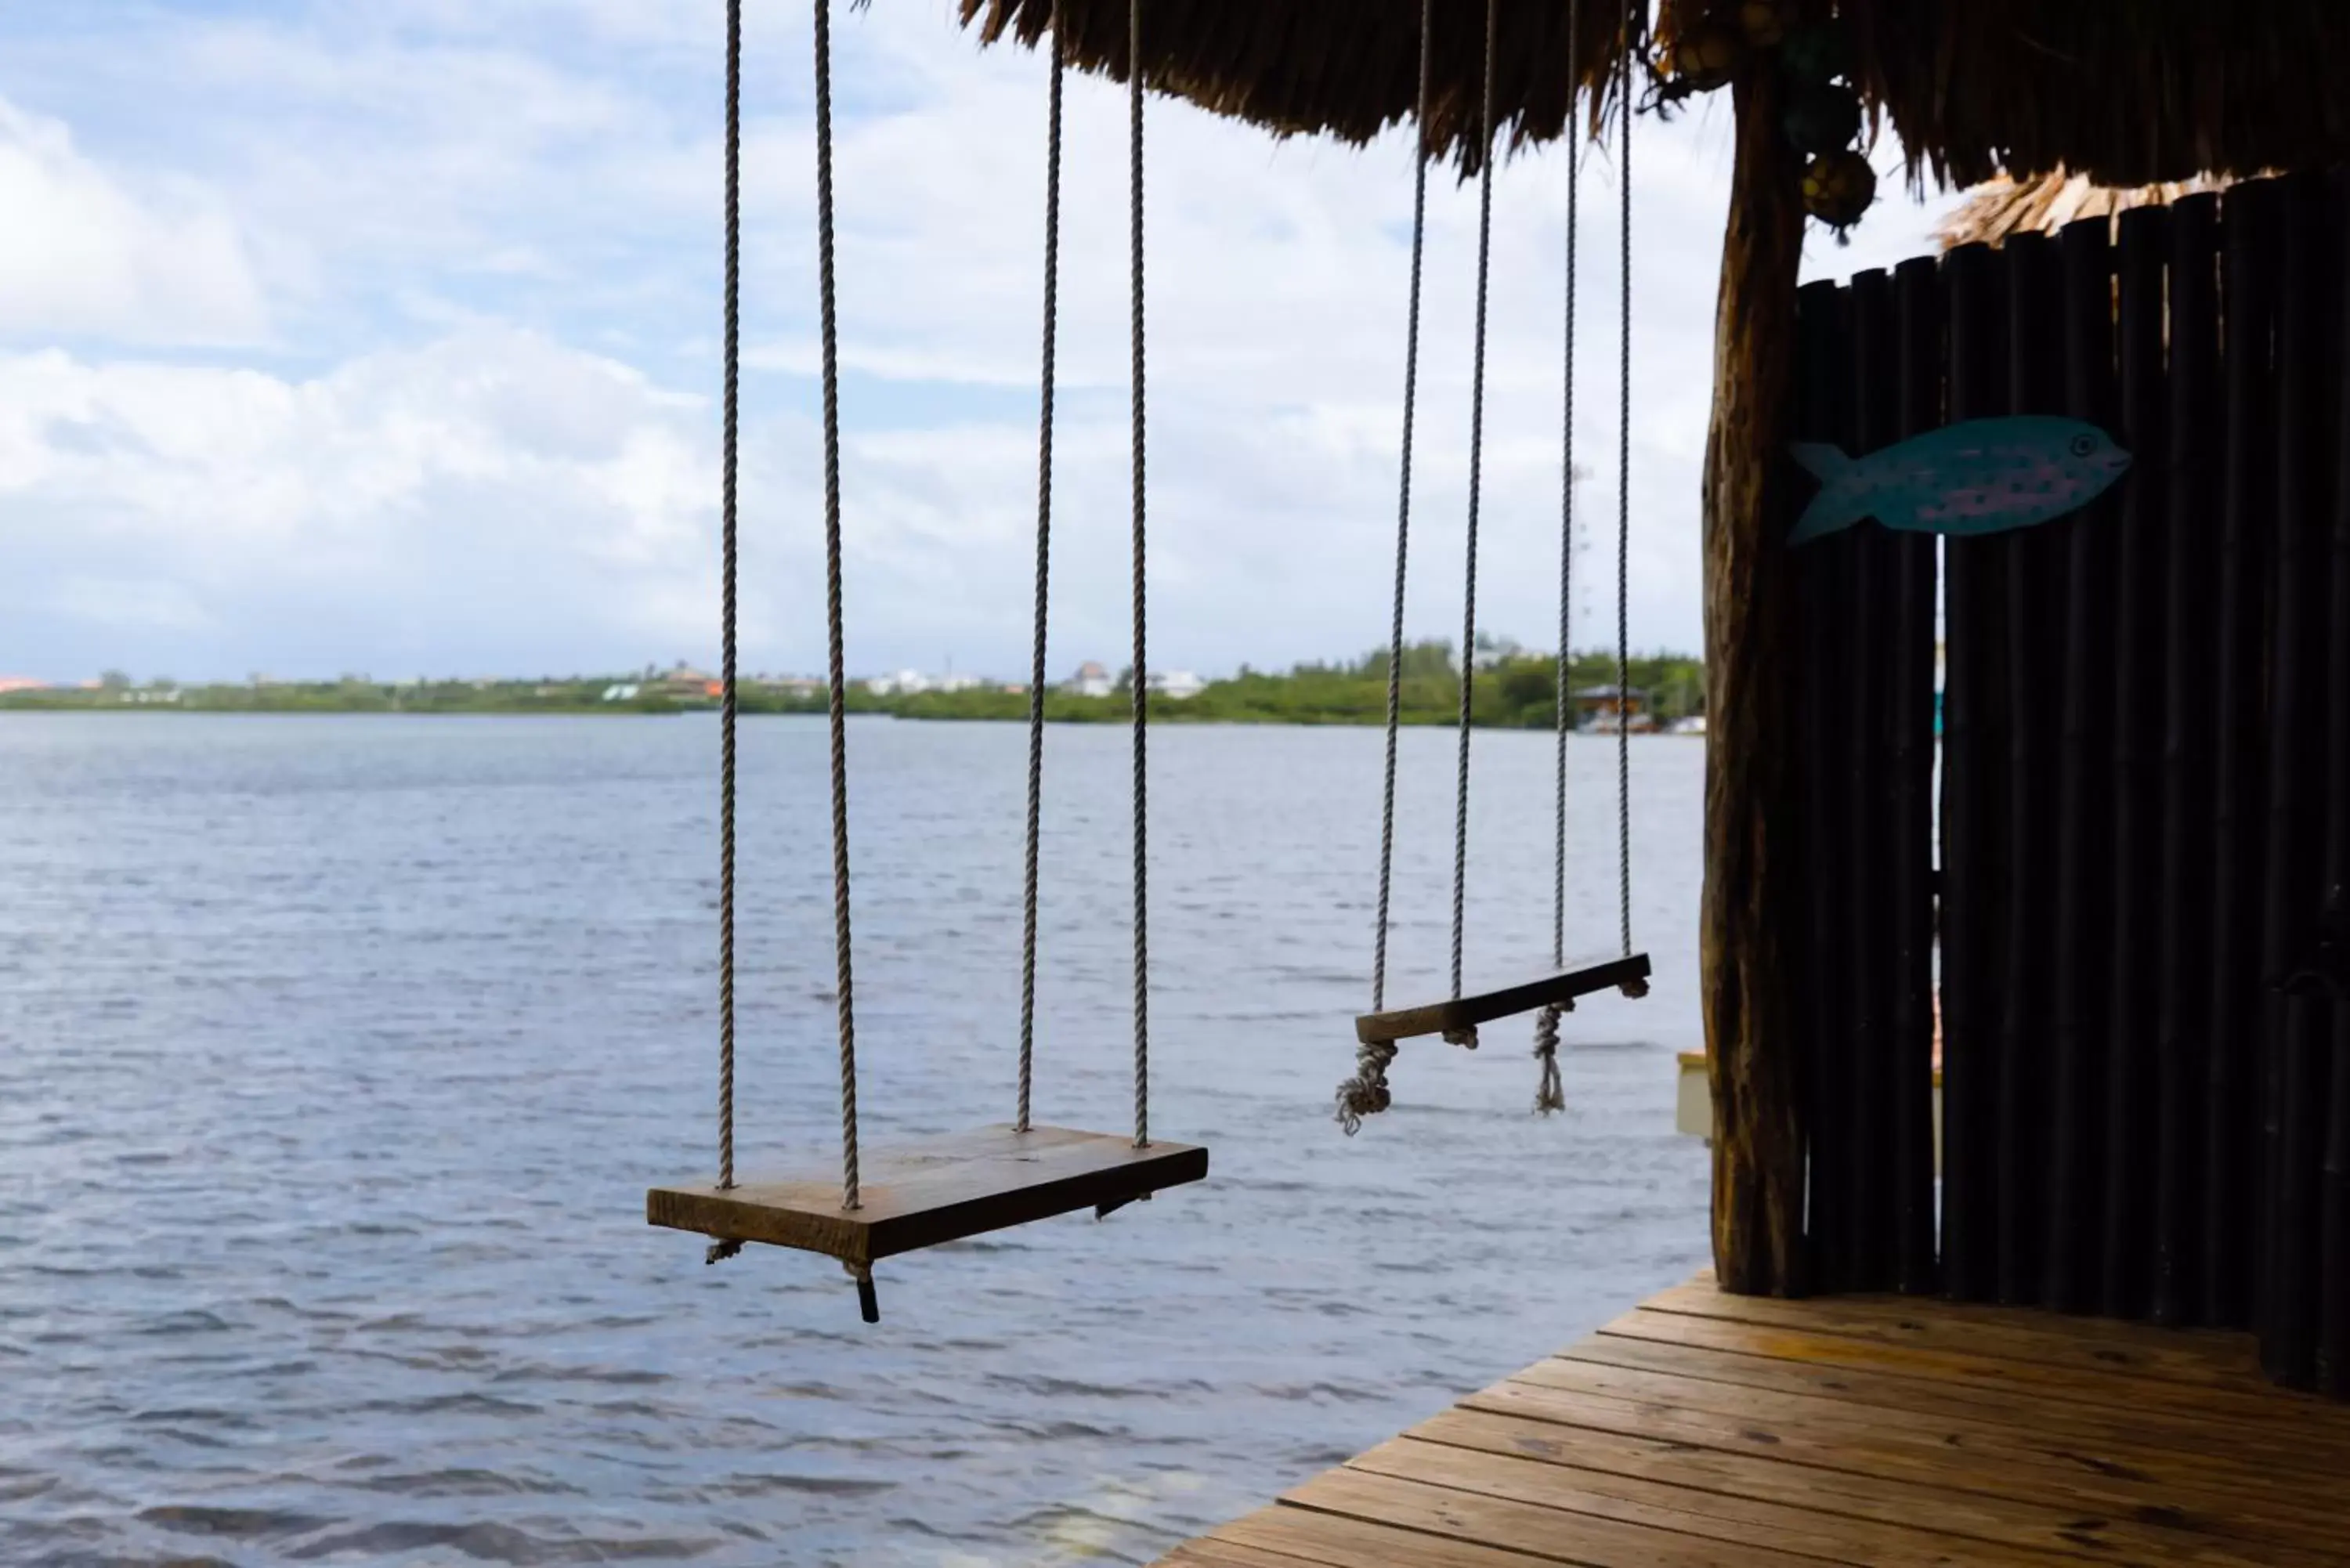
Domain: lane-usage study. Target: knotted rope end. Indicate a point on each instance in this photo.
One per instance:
(1550, 1095)
(1365, 1093)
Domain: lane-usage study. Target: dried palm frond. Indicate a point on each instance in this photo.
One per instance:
(2122, 92)
(2001, 207)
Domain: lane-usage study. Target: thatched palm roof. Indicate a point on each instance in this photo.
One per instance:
(2127, 92)
(1349, 69)
(2001, 207)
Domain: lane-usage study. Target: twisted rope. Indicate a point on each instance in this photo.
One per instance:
(1550, 1095)
(1366, 1092)
(836, 705)
(1633, 10)
(1468, 1037)
(1044, 579)
(726, 510)
(1138, 691)
(1562, 697)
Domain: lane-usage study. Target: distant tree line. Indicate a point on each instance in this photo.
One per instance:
(1510, 688)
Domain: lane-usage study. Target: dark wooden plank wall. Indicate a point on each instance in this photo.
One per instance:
(1872, 356)
(1824, 596)
(1975, 816)
(2144, 792)
(2191, 500)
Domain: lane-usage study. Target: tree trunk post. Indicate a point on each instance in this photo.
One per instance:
(1752, 883)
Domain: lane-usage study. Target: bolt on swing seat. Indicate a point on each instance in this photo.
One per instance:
(1462, 1014)
(938, 1189)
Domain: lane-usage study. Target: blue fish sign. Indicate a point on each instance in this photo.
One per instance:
(1979, 476)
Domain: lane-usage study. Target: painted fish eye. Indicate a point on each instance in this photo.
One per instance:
(2084, 445)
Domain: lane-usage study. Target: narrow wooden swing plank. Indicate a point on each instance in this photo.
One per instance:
(1629, 975)
(932, 1191)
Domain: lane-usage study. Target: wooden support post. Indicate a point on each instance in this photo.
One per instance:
(1751, 895)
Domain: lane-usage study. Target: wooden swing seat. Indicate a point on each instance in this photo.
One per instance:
(1629, 975)
(935, 1191)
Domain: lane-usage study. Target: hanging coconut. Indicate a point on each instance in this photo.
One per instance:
(1706, 58)
(1822, 117)
(1764, 22)
(1838, 188)
(1816, 52)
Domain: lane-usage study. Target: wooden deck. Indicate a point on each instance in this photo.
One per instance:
(1705, 1428)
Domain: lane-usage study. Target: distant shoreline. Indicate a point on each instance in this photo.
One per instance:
(1512, 690)
(1163, 711)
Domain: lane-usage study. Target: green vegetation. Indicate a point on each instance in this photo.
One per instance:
(349, 695)
(1514, 689)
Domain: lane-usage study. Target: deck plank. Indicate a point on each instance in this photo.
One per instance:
(2000, 1530)
(1802, 1366)
(1529, 1529)
(2225, 1347)
(1213, 1553)
(1703, 1429)
(1961, 1360)
(1337, 1541)
(1662, 1506)
(2122, 1458)
(2203, 1360)
(1831, 1447)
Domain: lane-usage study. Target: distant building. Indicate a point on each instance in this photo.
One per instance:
(21, 683)
(1597, 709)
(1090, 680)
(625, 692)
(800, 685)
(1177, 685)
(951, 682)
(684, 681)
(905, 683)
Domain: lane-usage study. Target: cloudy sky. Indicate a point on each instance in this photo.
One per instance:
(383, 338)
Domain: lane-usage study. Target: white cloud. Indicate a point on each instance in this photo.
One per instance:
(495, 233)
(133, 603)
(83, 255)
(486, 498)
(1278, 279)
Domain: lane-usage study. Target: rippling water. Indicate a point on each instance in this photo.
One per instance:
(336, 1054)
